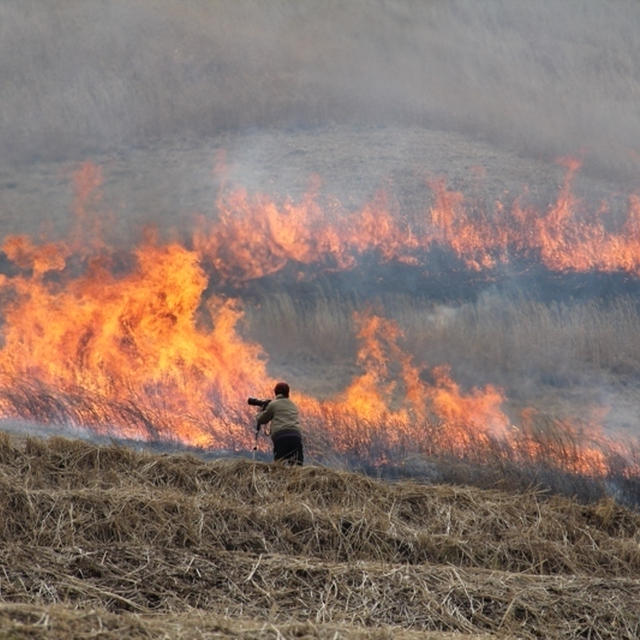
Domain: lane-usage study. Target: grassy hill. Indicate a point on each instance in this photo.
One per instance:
(106, 542)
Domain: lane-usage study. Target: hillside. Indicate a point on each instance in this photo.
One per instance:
(106, 542)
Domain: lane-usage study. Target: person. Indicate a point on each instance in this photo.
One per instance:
(286, 433)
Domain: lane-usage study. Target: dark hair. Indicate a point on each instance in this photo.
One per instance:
(282, 389)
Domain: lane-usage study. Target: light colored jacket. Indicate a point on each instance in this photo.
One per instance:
(283, 415)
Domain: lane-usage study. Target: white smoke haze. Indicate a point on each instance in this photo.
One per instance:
(539, 78)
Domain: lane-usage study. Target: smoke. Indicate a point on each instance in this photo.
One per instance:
(537, 78)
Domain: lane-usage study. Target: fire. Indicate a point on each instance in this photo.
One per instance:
(105, 344)
(39, 259)
(580, 448)
(409, 405)
(254, 236)
(147, 351)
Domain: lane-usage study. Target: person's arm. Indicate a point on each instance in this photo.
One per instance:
(264, 416)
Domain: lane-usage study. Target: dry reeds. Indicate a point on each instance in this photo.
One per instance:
(498, 338)
(162, 539)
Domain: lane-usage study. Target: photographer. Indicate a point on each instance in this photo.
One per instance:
(286, 434)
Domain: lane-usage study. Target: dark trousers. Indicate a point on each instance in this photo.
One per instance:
(287, 446)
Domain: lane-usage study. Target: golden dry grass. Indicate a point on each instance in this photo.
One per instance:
(19, 622)
(107, 542)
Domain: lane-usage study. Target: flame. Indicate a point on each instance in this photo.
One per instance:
(132, 341)
(402, 400)
(254, 236)
(40, 259)
(147, 351)
(576, 448)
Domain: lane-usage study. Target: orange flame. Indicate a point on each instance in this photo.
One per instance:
(148, 354)
(254, 236)
(405, 402)
(133, 340)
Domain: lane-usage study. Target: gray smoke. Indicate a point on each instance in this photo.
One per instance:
(542, 78)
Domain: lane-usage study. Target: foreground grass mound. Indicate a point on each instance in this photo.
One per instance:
(124, 544)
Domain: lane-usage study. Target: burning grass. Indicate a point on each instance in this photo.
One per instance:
(147, 543)
(152, 347)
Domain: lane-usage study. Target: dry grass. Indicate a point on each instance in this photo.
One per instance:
(173, 546)
(19, 622)
(573, 359)
(496, 338)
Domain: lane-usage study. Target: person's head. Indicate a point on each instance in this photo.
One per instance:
(281, 389)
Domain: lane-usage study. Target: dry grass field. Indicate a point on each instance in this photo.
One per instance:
(105, 542)
(574, 351)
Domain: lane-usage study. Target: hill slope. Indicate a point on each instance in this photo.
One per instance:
(115, 543)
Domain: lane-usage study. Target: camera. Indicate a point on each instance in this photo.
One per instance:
(256, 402)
